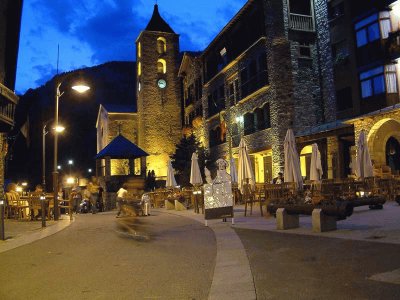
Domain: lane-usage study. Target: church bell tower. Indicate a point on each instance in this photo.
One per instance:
(158, 92)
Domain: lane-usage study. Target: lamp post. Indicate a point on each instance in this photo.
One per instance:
(44, 133)
(80, 89)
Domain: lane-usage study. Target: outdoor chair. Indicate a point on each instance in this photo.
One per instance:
(248, 197)
(187, 193)
(260, 195)
(273, 193)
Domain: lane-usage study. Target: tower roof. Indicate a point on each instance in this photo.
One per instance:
(157, 23)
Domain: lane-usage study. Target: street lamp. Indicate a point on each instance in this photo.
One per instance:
(80, 88)
(57, 129)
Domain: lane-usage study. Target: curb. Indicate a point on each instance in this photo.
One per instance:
(31, 237)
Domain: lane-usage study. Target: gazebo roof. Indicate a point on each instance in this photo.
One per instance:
(121, 148)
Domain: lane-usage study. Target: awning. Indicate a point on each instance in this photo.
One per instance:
(121, 148)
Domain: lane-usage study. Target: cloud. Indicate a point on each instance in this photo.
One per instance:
(46, 72)
(92, 32)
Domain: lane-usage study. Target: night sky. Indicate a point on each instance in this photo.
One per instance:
(91, 32)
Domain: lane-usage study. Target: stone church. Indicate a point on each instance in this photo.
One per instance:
(156, 125)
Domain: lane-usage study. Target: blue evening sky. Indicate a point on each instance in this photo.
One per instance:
(91, 32)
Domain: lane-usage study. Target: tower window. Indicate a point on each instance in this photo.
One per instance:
(161, 45)
(139, 50)
(161, 66)
(139, 69)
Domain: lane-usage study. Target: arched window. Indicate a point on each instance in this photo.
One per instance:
(139, 69)
(161, 45)
(139, 50)
(161, 66)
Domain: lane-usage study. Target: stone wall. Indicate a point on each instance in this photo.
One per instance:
(159, 110)
(300, 90)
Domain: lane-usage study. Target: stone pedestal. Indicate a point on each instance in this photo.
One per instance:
(179, 206)
(321, 222)
(169, 205)
(285, 221)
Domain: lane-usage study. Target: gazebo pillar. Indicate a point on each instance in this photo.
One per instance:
(143, 166)
(108, 166)
(131, 166)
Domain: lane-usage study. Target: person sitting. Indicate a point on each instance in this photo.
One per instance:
(279, 179)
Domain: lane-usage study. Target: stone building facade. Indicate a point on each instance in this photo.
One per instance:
(365, 48)
(268, 70)
(10, 23)
(158, 92)
(114, 120)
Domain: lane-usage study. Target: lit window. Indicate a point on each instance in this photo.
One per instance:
(378, 81)
(373, 28)
(161, 45)
(161, 66)
(139, 68)
(139, 86)
(139, 49)
(372, 82)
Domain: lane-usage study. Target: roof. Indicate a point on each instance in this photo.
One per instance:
(322, 128)
(236, 18)
(121, 148)
(157, 23)
(384, 110)
(117, 108)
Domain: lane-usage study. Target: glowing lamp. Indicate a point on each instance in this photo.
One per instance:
(70, 180)
(59, 128)
(81, 88)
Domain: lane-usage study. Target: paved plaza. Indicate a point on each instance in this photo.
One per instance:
(172, 255)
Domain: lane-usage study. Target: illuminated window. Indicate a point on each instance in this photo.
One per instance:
(161, 45)
(373, 28)
(161, 66)
(139, 50)
(139, 69)
(378, 81)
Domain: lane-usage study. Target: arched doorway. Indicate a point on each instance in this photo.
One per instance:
(383, 139)
(393, 154)
(305, 161)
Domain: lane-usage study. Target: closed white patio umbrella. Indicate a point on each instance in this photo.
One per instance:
(364, 166)
(171, 182)
(234, 176)
(315, 166)
(245, 170)
(292, 172)
(195, 175)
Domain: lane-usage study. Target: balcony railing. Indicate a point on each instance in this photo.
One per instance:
(8, 102)
(301, 22)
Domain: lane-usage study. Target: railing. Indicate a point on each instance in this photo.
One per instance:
(8, 102)
(301, 22)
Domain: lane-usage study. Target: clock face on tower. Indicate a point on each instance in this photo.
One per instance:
(162, 84)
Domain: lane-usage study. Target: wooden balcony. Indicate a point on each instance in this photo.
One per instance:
(392, 46)
(301, 22)
(8, 102)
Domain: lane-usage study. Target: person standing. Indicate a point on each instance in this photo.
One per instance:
(92, 194)
(121, 197)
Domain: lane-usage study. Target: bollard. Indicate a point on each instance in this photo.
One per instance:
(2, 234)
(42, 200)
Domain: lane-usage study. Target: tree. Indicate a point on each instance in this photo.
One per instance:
(182, 158)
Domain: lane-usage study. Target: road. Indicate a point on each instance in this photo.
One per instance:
(100, 257)
(289, 266)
